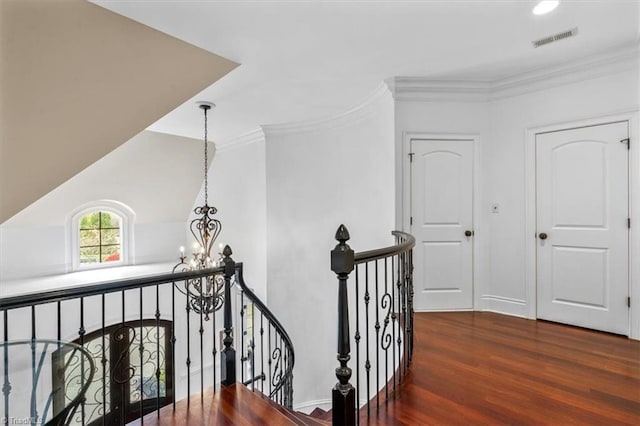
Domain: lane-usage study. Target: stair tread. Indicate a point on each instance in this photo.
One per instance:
(232, 405)
(317, 412)
(302, 418)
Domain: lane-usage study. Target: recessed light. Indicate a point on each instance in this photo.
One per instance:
(545, 6)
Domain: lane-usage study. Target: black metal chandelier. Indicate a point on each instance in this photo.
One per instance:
(204, 295)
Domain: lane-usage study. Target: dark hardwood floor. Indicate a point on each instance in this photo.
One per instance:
(484, 368)
(231, 406)
(474, 368)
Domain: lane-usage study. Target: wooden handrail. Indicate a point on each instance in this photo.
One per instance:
(381, 253)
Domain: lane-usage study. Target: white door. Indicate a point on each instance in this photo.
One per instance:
(442, 211)
(582, 229)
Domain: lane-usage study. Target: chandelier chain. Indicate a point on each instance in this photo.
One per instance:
(206, 161)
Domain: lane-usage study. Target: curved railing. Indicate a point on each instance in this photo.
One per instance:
(382, 294)
(154, 335)
(271, 339)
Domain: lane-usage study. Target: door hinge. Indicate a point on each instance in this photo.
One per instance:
(629, 222)
(411, 221)
(411, 157)
(628, 302)
(626, 141)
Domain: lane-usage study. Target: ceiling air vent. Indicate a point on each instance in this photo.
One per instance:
(555, 37)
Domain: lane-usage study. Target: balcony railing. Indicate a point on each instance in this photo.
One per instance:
(148, 345)
(383, 323)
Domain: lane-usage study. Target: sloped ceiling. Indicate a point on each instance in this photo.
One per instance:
(77, 81)
(142, 173)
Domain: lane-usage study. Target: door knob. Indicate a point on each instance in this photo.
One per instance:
(543, 236)
(468, 233)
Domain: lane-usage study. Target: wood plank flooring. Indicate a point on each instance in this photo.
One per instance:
(483, 368)
(475, 368)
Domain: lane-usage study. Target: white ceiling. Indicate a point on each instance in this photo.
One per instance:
(308, 60)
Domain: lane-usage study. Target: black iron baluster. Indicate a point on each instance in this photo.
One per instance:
(357, 340)
(405, 345)
(228, 359)
(201, 331)
(33, 322)
(104, 366)
(214, 352)
(141, 352)
(158, 352)
(343, 394)
(393, 321)
(411, 290)
(386, 322)
(34, 378)
(398, 313)
(188, 362)
(284, 363)
(262, 350)
(277, 355)
(367, 364)
(377, 327)
(253, 347)
(6, 386)
(269, 354)
(81, 333)
(59, 323)
(122, 385)
(173, 342)
(243, 356)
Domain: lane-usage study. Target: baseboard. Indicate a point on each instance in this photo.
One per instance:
(504, 305)
(308, 406)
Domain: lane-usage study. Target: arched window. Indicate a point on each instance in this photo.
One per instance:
(101, 235)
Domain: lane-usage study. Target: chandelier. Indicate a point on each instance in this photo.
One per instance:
(205, 295)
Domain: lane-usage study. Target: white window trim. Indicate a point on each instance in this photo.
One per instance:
(126, 234)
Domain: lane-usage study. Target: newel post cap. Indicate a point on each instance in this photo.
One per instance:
(228, 262)
(342, 256)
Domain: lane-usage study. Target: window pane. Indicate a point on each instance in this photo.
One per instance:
(110, 236)
(110, 253)
(110, 220)
(90, 255)
(90, 238)
(90, 221)
(100, 237)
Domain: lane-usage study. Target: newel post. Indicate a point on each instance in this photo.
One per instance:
(343, 394)
(228, 354)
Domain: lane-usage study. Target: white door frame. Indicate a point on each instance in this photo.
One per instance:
(406, 193)
(632, 117)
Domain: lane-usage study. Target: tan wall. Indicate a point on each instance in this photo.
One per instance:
(76, 82)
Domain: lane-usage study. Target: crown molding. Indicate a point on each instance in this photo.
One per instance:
(424, 89)
(345, 118)
(249, 138)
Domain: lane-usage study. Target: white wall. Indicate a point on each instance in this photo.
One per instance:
(319, 176)
(156, 175)
(238, 189)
